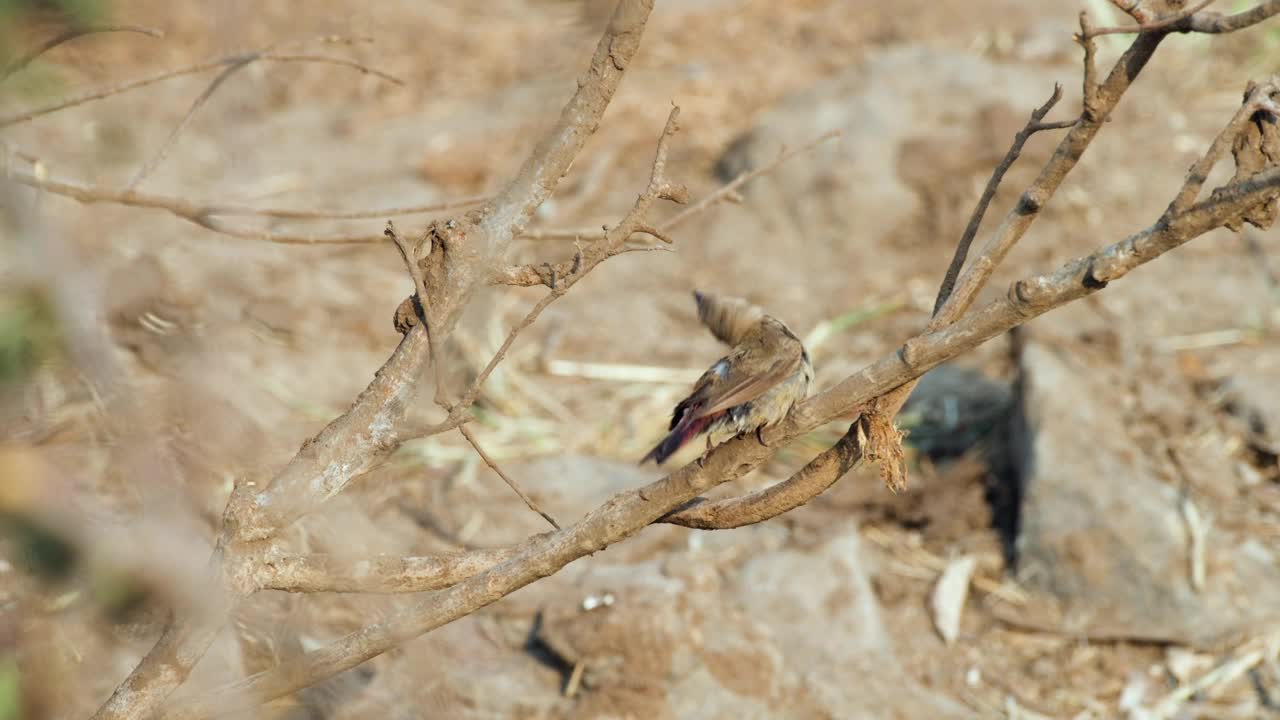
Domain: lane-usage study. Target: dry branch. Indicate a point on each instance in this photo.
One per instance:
(628, 512)
(69, 35)
(462, 253)
(379, 574)
(1168, 23)
(266, 54)
(239, 64)
(206, 215)
(515, 486)
(545, 274)
(564, 276)
(461, 256)
(1034, 125)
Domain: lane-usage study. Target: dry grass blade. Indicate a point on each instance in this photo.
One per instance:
(949, 596)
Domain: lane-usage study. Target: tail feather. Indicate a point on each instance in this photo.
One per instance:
(683, 432)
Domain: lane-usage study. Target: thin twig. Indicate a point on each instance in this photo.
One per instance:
(1157, 26)
(378, 574)
(1033, 126)
(1215, 23)
(206, 215)
(192, 213)
(730, 188)
(1260, 98)
(315, 214)
(69, 35)
(410, 257)
(511, 483)
(529, 275)
(1090, 81)
(150, 165)
(363, 435)
(629, 511)
(268, 55)
(241, 63)
(332, 60)
(586, 260)
(1134, 9)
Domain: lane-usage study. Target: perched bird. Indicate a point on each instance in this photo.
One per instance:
(754, 386)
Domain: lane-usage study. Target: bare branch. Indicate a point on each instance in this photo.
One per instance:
(363, 435)
(410, 257)
(565, 275)
(166, 666)
(1089, 90)
(1134, 9)
(379, 574)
(317, 214)
(1155, 26)
(1192, 19)
(515, 487)
(359, 438)
(1260, 98)
(267, 54)
(540, 174)
(529, 275)
(811, 481)
(69, 35)
(627, 512)
(730, 188)
(1214, 23)
(989, 192)
(1019, 219)
(184, 640)
(205, 215)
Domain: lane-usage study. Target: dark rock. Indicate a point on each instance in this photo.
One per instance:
(1104, 533)
(953, 408)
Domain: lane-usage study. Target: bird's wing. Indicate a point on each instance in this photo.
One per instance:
(745, 389)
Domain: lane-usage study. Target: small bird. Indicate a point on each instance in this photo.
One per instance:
(754, 386)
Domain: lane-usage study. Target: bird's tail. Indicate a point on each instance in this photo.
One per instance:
(684, 431)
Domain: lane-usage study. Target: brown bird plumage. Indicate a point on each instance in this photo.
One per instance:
(755, 385)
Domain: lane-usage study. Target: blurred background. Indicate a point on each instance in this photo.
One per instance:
(1104, 485)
